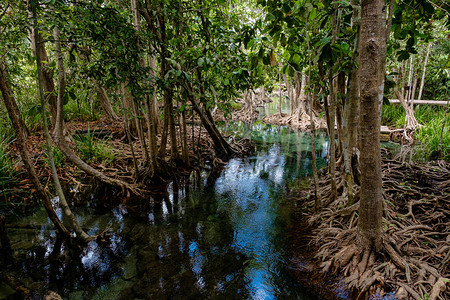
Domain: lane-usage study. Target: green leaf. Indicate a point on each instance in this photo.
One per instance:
(200, 62)
(270, 17)
(250, 43)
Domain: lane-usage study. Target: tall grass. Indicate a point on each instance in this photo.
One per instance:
(427, 136)
(393, 115)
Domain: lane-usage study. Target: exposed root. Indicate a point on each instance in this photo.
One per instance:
(415, 255)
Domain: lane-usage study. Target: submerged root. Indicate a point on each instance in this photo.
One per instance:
(414, 258)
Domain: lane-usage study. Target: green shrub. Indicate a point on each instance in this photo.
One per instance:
(58, 157)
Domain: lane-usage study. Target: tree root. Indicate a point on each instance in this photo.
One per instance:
(300, 121)
(415, 254)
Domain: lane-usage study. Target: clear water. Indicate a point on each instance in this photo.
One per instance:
(211, 237)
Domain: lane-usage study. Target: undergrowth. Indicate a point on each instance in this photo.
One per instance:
(80, 111)
(91, 149)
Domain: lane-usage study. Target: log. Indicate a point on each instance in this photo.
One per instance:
(421, 102)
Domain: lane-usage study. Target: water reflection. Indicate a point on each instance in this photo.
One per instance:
(222, 238)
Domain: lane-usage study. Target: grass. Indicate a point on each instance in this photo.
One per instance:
(428, 136)
(91, 149)
(393, 115)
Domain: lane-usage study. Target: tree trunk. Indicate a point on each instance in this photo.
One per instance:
(281, 90)
(351, 115)
(223, 150)
(332, 136)
(21, 145)
(58, 130)
(49, 85)
(128, 107)
(372, 64)
(152, 116)
(287, 82)
(106, 105)
(422, 82)
(136, 102)
(23, 126)
(339, 111)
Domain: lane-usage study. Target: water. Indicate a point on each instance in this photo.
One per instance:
(211, 238)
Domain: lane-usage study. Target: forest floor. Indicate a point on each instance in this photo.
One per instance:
(415, 264)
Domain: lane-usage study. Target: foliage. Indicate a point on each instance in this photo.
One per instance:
(57, 155)
(437, 83)
(91, 149)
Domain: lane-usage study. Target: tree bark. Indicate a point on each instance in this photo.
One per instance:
(372, 64)
(137, 111)
(279, 80)
(351, 115)
(26, 131)
(223, 149)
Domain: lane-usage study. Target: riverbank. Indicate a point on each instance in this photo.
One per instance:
(104, 147)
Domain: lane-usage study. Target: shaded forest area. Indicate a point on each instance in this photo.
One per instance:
(119, 99)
